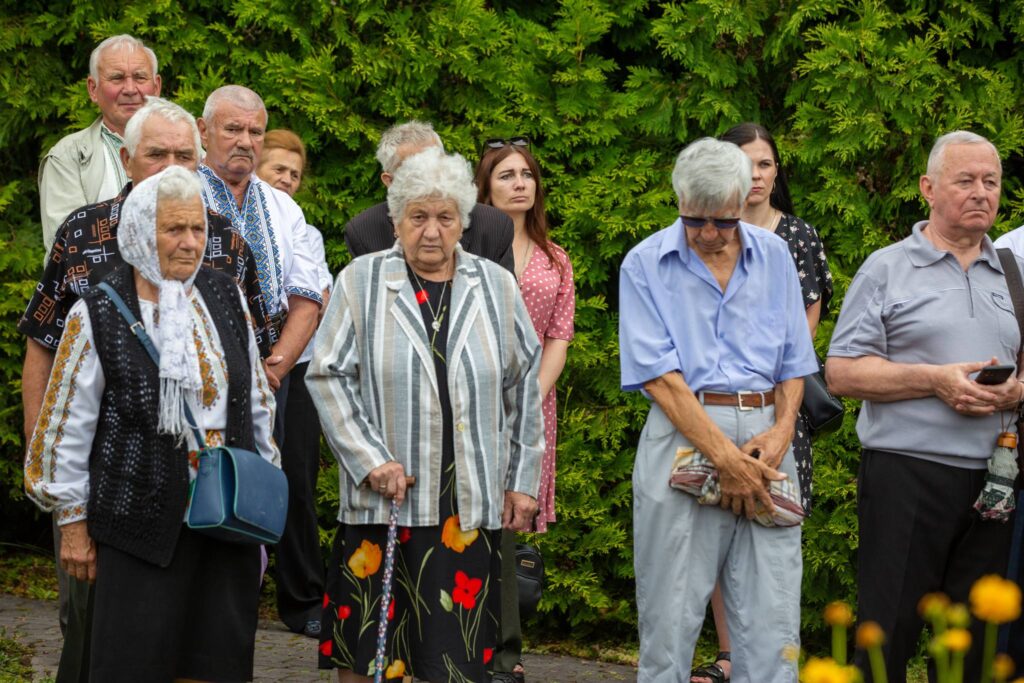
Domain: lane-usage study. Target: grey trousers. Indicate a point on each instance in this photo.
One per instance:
(681, 548)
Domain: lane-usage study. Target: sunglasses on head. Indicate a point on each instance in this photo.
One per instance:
(699, 222)
(498, 143)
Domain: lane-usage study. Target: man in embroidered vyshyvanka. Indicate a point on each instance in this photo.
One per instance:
(299, 564)
(85, 251)
(233, 126)
(84, 166)
(712, 329)
(920, 318)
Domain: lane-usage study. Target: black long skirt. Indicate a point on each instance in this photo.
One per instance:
(195, 618)
(442, 624)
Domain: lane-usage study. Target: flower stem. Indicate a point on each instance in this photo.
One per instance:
(839, 644)
(989, 653)
(878, 673)
(956, 675)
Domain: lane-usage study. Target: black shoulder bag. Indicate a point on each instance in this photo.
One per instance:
(823, 411)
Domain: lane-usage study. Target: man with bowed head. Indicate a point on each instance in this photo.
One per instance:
(920, 318)
(712, 330)
(83, 167)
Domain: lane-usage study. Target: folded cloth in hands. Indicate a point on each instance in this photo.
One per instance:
(693, 473)
(996, 500)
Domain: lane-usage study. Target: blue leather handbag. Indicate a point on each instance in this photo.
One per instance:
(237, 495)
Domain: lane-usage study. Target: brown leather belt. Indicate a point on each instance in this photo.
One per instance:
(744, 400)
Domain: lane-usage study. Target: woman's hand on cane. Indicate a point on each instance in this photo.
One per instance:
(389, 480)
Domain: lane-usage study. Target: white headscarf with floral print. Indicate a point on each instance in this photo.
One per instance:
(180, 378)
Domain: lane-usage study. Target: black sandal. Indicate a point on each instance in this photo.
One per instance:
(713, 670)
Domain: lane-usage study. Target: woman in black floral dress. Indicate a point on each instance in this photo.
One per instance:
(769, 206)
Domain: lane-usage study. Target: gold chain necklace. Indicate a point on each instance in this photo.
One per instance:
(436, 317)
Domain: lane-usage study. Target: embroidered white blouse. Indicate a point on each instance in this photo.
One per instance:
(57, 463)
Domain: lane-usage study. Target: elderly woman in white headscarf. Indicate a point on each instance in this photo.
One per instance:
(113, 454)
(426, 365)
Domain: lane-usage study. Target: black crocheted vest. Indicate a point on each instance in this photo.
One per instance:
(138, 478)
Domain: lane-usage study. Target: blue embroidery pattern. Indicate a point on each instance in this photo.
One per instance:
(253, 222)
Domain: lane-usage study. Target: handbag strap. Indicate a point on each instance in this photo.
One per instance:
(140, 333)
(1013, 282)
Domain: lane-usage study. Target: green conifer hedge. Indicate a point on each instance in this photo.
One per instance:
(609, 91)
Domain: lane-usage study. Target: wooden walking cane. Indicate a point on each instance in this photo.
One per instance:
(385, 598)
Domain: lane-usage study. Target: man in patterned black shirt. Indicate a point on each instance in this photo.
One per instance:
(84, 251)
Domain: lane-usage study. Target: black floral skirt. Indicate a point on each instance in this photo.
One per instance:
(804, 458)
(442, 623)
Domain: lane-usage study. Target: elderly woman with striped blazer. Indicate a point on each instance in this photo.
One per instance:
(426, 366)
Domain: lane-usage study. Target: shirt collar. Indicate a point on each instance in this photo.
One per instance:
(111, 135)
(923, 253)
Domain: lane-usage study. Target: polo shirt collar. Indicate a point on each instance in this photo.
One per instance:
(674, 241)
(923, 253)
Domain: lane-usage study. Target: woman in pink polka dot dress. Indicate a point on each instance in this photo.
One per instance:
(508, 178)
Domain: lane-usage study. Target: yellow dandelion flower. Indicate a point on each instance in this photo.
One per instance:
(838, 613)
(1002, 667)
(957, 616)
(932, 605)
(995, 599)
(869, 634)
(956, 639)
(826, 671)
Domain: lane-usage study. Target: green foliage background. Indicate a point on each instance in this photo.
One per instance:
(855, 90)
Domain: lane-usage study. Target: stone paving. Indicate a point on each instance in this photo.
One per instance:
(280, 654)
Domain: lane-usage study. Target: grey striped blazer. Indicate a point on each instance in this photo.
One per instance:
(373, 381)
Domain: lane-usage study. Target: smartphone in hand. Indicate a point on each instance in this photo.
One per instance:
(994, 374)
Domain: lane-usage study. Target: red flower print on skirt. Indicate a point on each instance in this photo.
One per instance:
(466, 590)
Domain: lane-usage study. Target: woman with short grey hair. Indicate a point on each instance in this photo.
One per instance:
(426, 366)
(113, 453)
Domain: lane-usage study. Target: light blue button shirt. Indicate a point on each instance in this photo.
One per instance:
(674, 317)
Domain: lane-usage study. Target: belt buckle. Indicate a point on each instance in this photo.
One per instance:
(739, 400)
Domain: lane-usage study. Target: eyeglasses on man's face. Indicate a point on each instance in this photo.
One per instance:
(699, 222)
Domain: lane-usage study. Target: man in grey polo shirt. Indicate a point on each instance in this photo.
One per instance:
(920, 318)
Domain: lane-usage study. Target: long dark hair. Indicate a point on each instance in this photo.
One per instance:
(744, 134)
(536, 218)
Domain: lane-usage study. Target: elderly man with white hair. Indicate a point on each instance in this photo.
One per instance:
(84, 167)
(232, 127)
(712, 330)
(426, 365)
(920, 318)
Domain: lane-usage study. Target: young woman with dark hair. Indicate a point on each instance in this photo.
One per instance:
(508, 178)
